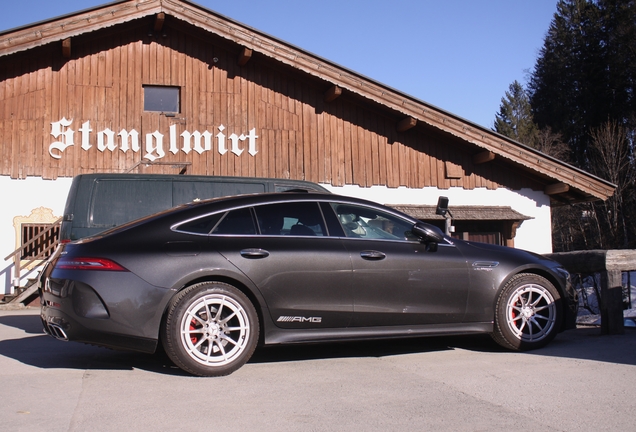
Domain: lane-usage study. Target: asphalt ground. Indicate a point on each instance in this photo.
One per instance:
(582, 381)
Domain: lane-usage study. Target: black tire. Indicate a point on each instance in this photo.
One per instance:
(210, 329)
(528, 314)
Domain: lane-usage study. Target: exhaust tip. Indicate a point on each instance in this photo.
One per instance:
(55, 331)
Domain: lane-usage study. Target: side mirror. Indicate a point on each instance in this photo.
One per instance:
(427, 233)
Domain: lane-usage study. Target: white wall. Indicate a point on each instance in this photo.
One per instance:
(534, 235)
(20, 198)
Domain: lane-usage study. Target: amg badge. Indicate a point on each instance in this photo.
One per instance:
(299, 319)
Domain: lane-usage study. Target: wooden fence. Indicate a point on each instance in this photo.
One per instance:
(610, 264)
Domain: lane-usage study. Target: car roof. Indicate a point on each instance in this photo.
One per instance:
(197, 208)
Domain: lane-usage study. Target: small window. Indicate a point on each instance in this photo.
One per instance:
(44, 237)
(161, 99)
(201, 225)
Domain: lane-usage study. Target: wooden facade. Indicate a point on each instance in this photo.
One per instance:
(308, 119)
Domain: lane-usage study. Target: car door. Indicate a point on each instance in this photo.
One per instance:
(396, 279)
(303, 274)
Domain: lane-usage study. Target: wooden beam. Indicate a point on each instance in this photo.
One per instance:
(510, 232)
(159, 20)
(333, 93)
(453, 171)
(66, 48)
(556, 188)
(244, 56)
(483, 157)
(510, 229)
(406, 124)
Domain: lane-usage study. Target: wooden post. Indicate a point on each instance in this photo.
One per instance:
(612, 321)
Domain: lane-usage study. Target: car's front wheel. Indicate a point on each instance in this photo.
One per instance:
(528, 314)
(210, 329)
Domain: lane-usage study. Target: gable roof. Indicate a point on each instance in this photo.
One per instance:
(564, 183)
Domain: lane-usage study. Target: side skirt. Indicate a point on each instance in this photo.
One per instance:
(286, 336)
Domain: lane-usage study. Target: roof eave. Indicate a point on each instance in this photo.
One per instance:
(66, 26)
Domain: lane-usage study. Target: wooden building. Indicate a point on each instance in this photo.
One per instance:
(165, 86)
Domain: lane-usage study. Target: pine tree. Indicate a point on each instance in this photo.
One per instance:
(582, 88)
(619, 36)
(514, 118)
(515, 121)
(567, 90)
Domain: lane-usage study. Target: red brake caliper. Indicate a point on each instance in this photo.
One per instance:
(513, 311)
(193, 338)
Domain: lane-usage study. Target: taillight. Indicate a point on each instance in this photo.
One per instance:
(84, 263)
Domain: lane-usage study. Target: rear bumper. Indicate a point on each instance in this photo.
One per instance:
(112, 309)
(61, 326)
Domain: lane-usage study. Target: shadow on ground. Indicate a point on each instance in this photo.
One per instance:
(39, 350)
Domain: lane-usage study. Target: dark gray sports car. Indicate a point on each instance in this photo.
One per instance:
(212, 279)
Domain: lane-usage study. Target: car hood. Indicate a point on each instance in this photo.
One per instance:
(504, 253)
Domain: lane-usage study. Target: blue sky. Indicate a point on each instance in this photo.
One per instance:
(459, 55)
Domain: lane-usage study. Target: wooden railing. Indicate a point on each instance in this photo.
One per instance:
(41, 246)
(610, 264)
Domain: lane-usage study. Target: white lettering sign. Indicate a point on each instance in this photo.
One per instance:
(67, 137)
(154, 145)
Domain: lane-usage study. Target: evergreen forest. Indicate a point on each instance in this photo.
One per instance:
(579, 105)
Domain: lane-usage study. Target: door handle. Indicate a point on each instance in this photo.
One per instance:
(372, 255)
(254, 253)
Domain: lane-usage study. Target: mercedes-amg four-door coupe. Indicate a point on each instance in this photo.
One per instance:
(208, 281)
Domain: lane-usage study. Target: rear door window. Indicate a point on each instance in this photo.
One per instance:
(296, 218)
(237, 222)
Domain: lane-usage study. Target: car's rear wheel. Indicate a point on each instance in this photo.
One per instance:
(528, 313)
(210, 329)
